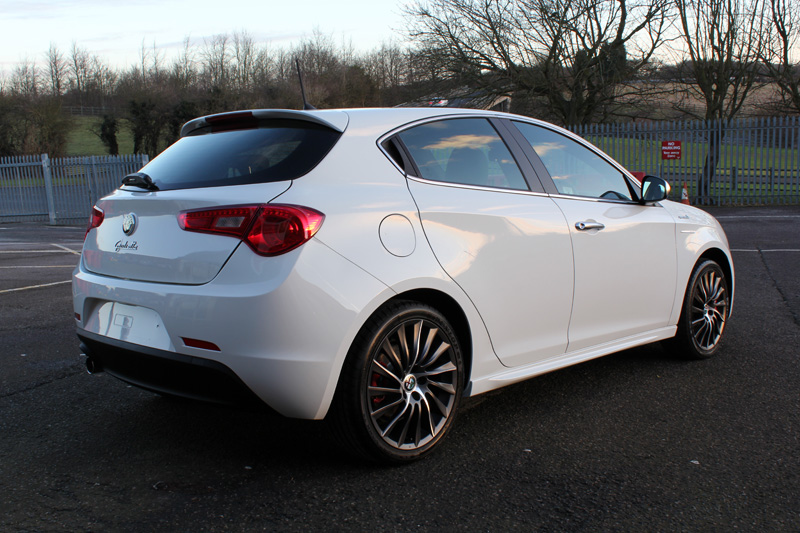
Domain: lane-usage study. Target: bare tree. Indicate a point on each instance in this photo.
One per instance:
(216, 60)
(781, 30)
(322, 70)
(576, 54)
(244, 59)
(184, 70)
(25, 79)
(57, 70)
(156, 62)
(101, 82)
(721, 40)
(79, 69)
(387, 66)
(264, 66)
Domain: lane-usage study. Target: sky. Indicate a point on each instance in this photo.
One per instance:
(115, 30)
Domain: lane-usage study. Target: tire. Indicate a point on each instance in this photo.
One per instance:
(706, 306)
(401, 385)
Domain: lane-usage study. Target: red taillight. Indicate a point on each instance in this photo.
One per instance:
(270, 229)
(95, 220)
(281, 228)
(226, 220)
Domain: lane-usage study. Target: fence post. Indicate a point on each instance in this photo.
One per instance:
(48, 189)
(90, 170)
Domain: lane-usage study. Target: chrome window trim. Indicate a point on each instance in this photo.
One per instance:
(475, 187)
(593, 199)
(457, 113)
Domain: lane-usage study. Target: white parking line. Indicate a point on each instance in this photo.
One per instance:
(35, 286)
(765, 251)
(64, 251)
(65, 248)
(744, 217)
(40, 266)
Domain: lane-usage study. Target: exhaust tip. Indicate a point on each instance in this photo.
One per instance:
(93, 366)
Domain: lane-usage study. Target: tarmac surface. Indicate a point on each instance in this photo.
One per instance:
(636, 441)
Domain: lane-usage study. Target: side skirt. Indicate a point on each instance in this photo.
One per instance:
(521, 373)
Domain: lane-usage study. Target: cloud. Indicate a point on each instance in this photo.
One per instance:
(462, 141)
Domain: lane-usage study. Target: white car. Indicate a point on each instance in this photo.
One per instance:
(374, 266)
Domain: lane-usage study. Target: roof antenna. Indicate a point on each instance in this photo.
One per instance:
(306, 105)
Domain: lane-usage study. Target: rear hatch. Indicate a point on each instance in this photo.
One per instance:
(224, 160)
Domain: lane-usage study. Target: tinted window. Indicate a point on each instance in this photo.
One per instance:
(575, 169)
(467, 151)
(278, 150)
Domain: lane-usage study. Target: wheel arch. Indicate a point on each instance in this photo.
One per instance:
(454, 314)
(355, 425)
(443, 303)
(724, 262)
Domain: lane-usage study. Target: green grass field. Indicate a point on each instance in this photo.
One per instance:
(82, 141)
(748, 160)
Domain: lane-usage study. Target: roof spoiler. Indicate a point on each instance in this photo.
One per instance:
(335, 120)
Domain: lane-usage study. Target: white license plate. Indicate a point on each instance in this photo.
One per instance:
(129, 323)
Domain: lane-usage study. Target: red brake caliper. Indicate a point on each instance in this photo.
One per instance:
(376, 399)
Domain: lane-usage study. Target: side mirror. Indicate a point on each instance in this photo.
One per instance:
(654, 189)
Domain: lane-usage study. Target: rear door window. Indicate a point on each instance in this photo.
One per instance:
(468, 151)
(277, 150)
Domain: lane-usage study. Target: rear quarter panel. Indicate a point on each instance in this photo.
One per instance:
(357, 188)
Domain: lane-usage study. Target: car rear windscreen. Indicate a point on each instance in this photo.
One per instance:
(277, 150)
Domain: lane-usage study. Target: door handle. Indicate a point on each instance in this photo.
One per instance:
(584, 226)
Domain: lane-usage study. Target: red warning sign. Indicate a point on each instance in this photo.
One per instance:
(670, 149)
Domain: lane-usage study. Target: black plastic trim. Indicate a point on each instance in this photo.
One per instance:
(168, 373)
(507, 134)
(412, 170)
(533, 158)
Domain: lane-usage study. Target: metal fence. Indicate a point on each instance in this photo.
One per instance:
(90, 111)
(59, 191)
(741, 162)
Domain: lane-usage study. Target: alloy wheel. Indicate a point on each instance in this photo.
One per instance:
(709, 309)
(412, 384)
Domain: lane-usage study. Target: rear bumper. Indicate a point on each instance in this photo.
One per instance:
(282, 328)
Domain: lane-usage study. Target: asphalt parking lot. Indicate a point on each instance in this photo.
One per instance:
(639, 440)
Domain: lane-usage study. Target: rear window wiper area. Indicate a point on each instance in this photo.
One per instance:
(140, 179)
